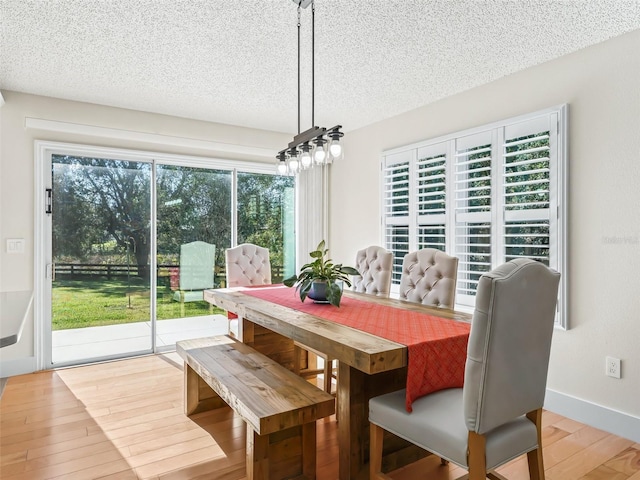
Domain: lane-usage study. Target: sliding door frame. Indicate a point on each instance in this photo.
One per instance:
(43, 261)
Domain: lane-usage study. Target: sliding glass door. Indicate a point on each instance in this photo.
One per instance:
(101, 229)
(134, 241)
(193, 231)
(266, 218)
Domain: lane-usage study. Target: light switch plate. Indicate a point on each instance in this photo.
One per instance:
(15, 245)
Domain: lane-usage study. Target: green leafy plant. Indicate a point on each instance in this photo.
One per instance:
(322, 270)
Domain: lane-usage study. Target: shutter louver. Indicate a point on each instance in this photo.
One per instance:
(432, 236)
(527, 239)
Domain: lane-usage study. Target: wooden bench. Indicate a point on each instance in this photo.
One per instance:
(279, 407)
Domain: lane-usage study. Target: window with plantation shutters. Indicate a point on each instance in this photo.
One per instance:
(486, 195)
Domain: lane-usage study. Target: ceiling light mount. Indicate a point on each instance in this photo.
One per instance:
(303, 3)
(317, 146)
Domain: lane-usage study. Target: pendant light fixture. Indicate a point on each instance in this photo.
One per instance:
(317, 146)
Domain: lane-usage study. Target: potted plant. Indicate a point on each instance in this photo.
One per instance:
(321, 279)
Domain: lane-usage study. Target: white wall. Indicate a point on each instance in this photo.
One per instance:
(601, 84)
(17, 173)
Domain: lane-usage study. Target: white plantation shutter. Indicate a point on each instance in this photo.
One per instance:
(487, 196)
(397, 241)
(473, 187)
(396, 208)
(396, 192)
(430, 191)
(527, 188)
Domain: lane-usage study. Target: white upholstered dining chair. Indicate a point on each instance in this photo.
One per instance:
(496, 415)
(375, 265)
(249, 265)
(429, 277)
(246, 265)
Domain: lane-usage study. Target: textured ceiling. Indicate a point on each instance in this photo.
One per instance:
(235, 61)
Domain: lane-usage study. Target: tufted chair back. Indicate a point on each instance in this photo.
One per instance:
(247, 264)
(375, 265)
(509, 344)
(429, 277)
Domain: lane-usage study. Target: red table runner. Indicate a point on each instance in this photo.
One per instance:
(437, 346)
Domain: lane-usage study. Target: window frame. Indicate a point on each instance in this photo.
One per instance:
(557, 117)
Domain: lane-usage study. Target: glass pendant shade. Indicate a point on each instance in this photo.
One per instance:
(282, 167)
(319, 153)
(335, 149)
(305, 159)
(293, 165)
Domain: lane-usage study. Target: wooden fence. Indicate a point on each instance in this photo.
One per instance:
(86, 271)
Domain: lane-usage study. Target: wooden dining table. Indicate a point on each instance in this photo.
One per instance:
(368, 365)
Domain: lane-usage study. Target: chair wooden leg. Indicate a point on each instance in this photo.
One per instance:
(534, 457)
(328, 372)
(476, 457)
(297, 359)
(376, 436)
(337, 374)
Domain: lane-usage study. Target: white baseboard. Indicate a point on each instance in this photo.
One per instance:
(604, 418)
(18, 366)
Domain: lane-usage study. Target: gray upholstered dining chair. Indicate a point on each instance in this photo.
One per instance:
(429, 277)
(375, 265)
(246, 265)
(496, 416)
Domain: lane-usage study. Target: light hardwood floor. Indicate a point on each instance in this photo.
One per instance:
(124, 420)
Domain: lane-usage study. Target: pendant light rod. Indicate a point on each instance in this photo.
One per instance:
(299, 10)
(313, 62)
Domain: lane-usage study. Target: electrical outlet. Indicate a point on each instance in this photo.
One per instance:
(612, 367)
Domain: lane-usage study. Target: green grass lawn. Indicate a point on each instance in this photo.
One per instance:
(91, 303)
